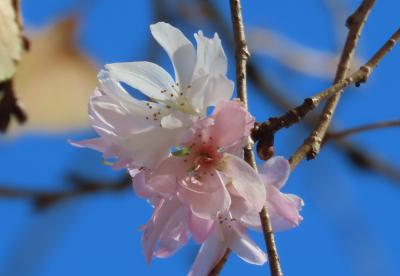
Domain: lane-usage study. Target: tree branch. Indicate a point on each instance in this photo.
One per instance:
(311, 145)
(83, 186)
(241, 56)
(344, 133)
(356, 154)
(355, 23)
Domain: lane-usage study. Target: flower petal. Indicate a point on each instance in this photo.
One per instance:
(275, 171)
(283, 209)
(179, 49)
(239, 206)
(251, 220)
(237, 240)
(211, 251)
(147, 77)
(245, 181)
(96, 144)
(217, 201)
(211, 58)
(200, 228)
(232, 123)
(209, 91)
(154, 228)
(219, 88)
(175, 234)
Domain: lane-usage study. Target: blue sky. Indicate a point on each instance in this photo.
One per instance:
(350, 218)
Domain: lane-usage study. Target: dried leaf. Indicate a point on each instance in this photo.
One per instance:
(55, 80)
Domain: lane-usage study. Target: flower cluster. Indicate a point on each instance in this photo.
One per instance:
(188, 165)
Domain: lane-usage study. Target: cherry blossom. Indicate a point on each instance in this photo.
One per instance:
(204, 188)
(140, 133)
(230, 233)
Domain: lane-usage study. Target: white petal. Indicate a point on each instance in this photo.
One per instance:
(151, 147)
(114, 89)
(211, 251)
(219, 88)
(275, 171)
(179, 49)
(209, 91)
(147, 77)
(122, 121)
(211, 58)
(245, 181)
(242, 245)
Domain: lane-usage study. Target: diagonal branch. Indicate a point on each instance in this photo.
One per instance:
(355, 23)
(344, 133)
(355, 153)
(83, 186)
(311, 145)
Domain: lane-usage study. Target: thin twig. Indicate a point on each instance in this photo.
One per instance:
(355, 23)
(82, 186)
(311, 145)
(355, 153)
(344, 133)
(241, 57)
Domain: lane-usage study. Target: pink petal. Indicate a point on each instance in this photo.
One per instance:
(163, 179)
(245, 181)
(211, 251)
(154, 228)
(232, 123)
(164, 185)
(218, 201)
(209, 182)
(96, 144)
(237, 240)
(175, 234)
(200, 228)
(275, 171)
(283, 209)
(239, 206)
(251, 220)
(139, 184)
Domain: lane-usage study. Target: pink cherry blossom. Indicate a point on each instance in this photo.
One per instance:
(140, 133)
(283, 209)
(208, 187)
